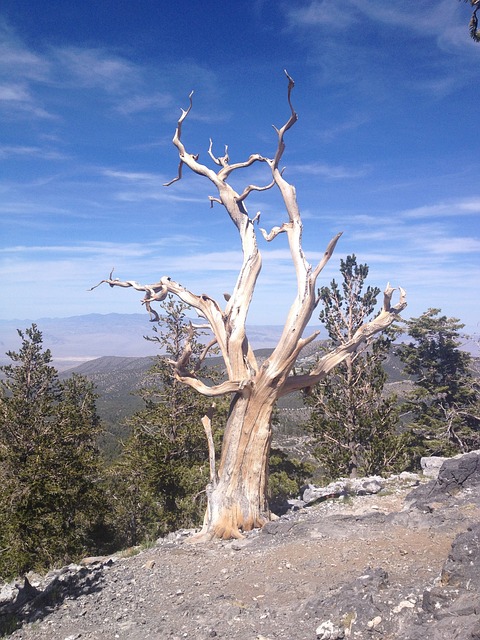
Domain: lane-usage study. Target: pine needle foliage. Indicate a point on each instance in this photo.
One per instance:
(473, 24)
(444, 405)
(50, 501)
(354, 423)
(158, 483)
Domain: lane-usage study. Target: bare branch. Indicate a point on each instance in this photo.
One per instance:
(181, 365)
(229, 386)
(327, 255)
(253, 187)
(224, 173)
(213, 199)
(178, 176)
(290, 122)
(204, 353)
(205, 306)
(223, 161)
(384, 319)
(177, 140)
(275, 231)
(207, 425)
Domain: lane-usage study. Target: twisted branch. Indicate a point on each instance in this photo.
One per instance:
(384, 319)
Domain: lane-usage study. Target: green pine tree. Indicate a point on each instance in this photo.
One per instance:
(158, 484)
(353, 421)
(444, 403)
(50, 504)
(473, 24)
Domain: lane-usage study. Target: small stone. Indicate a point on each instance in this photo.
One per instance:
(404, 604)
(149, 564)
(374, 622)
(329, 631)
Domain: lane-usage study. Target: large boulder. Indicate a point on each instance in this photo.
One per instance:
(456, 475)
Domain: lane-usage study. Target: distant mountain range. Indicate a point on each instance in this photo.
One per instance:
(78, 339)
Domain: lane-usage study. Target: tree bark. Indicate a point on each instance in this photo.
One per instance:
(239, 501)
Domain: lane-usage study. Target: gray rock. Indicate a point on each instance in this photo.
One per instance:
(431, 465)
(462, 568)
(355, 605)
(455, 475)
(343, 487)
(329, 631)
(21, 603)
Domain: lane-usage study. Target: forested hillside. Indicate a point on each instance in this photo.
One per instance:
(117, 379)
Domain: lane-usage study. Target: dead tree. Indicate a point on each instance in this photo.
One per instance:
(237, 494)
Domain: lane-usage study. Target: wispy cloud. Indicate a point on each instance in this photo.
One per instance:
(321, 12)
(16, 101)
(332, 172)
(155, 101)
(452, 245)
(354, 122)
(8, 151)
(17, 61)
(96, 68)
(133, 176)
(354, 61)
(467, 207)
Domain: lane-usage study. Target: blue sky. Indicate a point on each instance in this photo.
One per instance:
(385, 149)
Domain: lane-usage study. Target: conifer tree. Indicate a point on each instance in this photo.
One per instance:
(473, 24)
(159, 481)
(444, 402)
(50, 503)
(353, 422)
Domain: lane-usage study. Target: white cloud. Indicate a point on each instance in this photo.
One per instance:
(16, 101)
(354, 122)
(97, 68)
(17, 61)
(332, 172)
(140, 103)
(451, 245)
(132, 176)
(444, 209)
(322, 12)
(13, 93)
(7, 151)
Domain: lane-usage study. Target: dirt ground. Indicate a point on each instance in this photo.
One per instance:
(274, 584)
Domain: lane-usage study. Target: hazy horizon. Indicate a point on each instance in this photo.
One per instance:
(384, 148)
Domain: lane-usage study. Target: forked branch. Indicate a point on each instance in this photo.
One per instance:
(385, 318)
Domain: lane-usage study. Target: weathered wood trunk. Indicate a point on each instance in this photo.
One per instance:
(238, 501)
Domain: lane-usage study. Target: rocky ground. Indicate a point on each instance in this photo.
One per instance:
(400, 564)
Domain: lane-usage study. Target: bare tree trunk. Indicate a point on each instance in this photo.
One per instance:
(239, 500)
